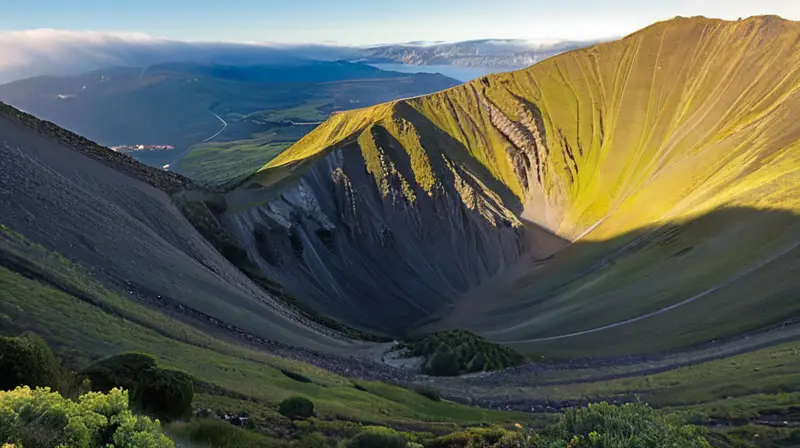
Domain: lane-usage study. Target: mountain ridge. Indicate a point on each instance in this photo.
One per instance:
(665, 125)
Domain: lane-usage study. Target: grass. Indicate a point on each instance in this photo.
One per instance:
(760, 379)
(310, 112)
(91, 322)
(219, 163)
(220, 434)
(725, 259)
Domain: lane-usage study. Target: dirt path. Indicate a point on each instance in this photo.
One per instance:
(186, 151)
(224, 126)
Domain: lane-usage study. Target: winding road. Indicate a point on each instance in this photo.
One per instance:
(224, 125)
(186, 151)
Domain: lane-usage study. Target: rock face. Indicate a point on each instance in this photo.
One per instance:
(380, 252)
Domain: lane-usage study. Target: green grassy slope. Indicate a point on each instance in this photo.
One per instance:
(83, 321)
(612, 145)
(685, 112)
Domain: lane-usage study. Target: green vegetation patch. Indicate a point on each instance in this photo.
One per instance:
(456, 352)
(629, 425)
(28, 360)
(122, 371)
(229, 162)
(40, 418)
(90, 322)
(215, 433)
(164, 393)
(296, 408)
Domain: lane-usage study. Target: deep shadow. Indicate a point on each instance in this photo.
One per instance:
(393, 261)
(717, 275)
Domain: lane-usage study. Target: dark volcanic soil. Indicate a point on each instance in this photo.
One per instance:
(127, 233)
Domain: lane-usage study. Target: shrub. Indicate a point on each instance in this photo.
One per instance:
(296, 407)
(456, 352)
(118, 371)
(378, 437)
(442, 363)
(163, 393)
(296, 376)
(213, 433)
(28, 360)
(44, 419)
(605, 426)
(313, 440)
(477, 437)
(430, 392)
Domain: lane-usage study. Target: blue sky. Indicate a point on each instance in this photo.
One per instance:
(371, 21)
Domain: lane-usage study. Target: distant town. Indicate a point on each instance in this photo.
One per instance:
(130, 148)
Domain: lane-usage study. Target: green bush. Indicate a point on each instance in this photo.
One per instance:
(163, 393)
(118, 371)
(313, 440)
(378, 437)
(430, 392)
(296, 376)
(443, 362)
(479, 438)
(296, 407)
(457, 352)
(630, 425)
(43, 419)
(28, 360)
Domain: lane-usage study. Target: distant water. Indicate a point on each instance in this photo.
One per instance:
(456, 72)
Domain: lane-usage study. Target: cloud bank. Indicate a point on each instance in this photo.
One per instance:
(59, 53)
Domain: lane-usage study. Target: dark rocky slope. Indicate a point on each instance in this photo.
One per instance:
(364, 238)
(69, 195)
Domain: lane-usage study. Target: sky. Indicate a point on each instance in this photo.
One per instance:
(361, 22)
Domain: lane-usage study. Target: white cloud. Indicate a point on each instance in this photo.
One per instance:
(60, 52)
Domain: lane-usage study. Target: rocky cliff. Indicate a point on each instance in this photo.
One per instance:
(379, 237)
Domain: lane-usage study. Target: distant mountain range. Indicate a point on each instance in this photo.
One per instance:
(489, 53)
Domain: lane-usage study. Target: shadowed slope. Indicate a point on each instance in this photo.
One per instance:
(128, 233)
(657, 288)
(665, 125)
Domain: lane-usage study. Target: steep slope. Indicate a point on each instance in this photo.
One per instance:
(101, 211)
(604, 146)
